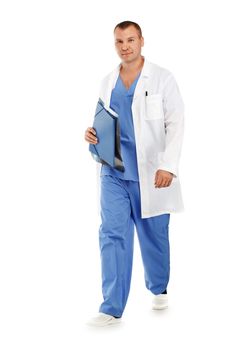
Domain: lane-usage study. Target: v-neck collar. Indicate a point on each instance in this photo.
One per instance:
(131, 86)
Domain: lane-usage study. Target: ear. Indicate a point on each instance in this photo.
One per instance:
(142, 41)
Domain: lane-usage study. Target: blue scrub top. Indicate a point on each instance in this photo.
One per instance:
(121, 102)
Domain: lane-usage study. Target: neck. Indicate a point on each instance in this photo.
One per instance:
(130, 67)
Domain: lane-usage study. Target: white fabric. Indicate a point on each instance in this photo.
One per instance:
(160, 302)
(102, 320)
(158, 125)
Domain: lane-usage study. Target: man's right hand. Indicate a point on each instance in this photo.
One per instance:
(90, 136)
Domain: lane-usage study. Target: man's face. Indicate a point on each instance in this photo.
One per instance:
(128, 44)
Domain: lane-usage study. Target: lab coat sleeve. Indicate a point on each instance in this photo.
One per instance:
(174, 126)
(99, 165)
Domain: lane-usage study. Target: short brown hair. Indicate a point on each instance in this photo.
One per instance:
(126, 24)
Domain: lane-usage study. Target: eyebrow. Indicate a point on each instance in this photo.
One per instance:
(130, 37)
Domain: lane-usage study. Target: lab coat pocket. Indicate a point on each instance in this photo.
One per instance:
(154, 107)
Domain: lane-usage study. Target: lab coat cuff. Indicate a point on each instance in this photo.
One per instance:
(169, 168)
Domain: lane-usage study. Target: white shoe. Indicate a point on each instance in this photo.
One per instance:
(102, 320)
(160, 302)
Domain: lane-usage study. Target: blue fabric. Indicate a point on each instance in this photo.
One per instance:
(121, 102)
(120, 212)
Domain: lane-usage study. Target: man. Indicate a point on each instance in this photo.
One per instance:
(150, 109)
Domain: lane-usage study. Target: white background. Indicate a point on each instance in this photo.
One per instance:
(53, 57)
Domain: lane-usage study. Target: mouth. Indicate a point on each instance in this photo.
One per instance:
(126, 54)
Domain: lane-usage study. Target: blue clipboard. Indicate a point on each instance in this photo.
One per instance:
(107, 150)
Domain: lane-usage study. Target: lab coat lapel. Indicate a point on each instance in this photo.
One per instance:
(140, 86)
(110, 85)
(142, 81)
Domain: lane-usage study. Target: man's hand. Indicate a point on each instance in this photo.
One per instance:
(90, 136)
(163, 178)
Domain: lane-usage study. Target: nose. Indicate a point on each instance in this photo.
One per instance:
(124, 47)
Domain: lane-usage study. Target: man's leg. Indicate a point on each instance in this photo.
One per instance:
(154, 244)
(116, 245)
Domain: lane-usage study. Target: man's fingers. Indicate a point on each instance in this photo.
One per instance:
(90, 136)
(92, 130)
(162, 180)
(91, 141)
(166, 183)
(158, 180)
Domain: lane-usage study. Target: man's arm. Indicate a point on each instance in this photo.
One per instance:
(174, 126)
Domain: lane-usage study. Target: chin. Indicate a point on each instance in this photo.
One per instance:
(128, 59)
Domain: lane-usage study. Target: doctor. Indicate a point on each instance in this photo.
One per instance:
(151, 115)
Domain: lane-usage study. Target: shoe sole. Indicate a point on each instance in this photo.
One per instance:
(111, 323)
(159, 307)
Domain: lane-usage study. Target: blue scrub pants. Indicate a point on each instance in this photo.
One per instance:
(120, 211)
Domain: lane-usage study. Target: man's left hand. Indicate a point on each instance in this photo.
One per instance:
(163, 178)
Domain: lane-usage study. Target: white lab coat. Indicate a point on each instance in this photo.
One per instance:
(158, 120)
